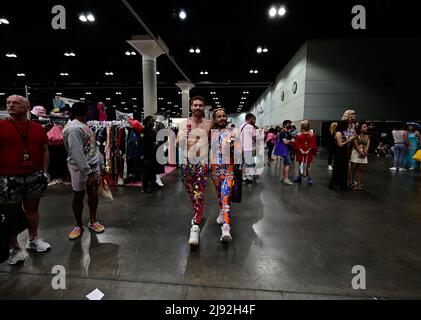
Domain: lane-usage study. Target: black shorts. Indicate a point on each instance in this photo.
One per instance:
(16, 189)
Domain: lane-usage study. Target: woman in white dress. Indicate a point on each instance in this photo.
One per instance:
(359, 156)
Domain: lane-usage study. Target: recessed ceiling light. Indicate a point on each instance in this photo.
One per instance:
(108, 99)
(198, 51)
(182, 15)
(83, 18)
(91, 17)
(256, 71)
(191, 50)
(64, 74)
(272, 12)
(282, 11)
(2, 94)
(134, 99)
(128, 53)
(133, 53)
(88, 93)
(21, 75)
(82, 99)
(11, 55)
(118, 93)
(259, 50)
(58, 94)
(123, 103)
(158, 73)
(265, 50)
(4, 21)
(251, 71)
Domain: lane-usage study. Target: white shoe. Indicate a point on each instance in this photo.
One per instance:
(158, 180)
(411, 169)
(402, 170)
(38, 245)
(16, 256)
(330, 168)
(220, 219)
(288, 182)
(393, 169)
(226, 233)
(194, 235)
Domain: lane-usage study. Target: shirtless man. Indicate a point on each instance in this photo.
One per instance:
(193, 138)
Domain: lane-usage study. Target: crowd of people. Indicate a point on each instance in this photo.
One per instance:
(24, 162)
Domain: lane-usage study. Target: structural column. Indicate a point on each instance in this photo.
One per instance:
(185, 96)
(150, 51)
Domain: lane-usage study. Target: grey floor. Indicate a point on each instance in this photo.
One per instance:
(289, 243)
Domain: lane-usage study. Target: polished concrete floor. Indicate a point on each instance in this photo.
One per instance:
(296, 242)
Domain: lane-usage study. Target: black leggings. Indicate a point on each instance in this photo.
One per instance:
(271, 146)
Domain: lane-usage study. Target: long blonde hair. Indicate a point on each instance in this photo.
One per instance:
(333, 127)
(305, 125)
(346, 114)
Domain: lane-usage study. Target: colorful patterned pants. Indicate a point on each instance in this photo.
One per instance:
(195, 178)
(223, 180)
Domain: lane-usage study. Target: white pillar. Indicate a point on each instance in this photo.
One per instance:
(185, 96)
(150, 51)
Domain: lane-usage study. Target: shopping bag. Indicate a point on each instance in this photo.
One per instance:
(237, 187)
(104, 190)
(417, 156)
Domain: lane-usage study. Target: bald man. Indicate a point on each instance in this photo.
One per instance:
(24, 162)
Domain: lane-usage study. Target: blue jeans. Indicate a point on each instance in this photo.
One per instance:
(400, 151)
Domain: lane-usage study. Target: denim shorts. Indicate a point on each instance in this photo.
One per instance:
(287, 159)
(16, 189)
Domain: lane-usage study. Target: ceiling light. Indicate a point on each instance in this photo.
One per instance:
(272, 12)
(118, 93)
(124, 103)
(64, 74)
(91, 17)
(191, 50)
(133, 53)
(251, 71)
(198, 51)
(134, 99)
(108, 99)
(282, 11)
(2, 94)
(4, 21)
(201, 72)
(67, 54)
(158, 73)
(109, 73)
(11, 55)
(82, 99)
(88, 93)
(72, 54)
(206, 72)
(259, 50)
(83, 18)
(182, 15)
(21, 75)
(128, 53)
(58, 94)
(265, 50)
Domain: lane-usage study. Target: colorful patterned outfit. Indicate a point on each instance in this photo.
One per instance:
(223, 167)
(195, 177)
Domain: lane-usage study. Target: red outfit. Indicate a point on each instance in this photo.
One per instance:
(12, 147)
(305, 142)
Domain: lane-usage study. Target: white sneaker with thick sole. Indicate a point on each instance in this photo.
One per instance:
(194, 235)
(16, 256)
(38, 245)
(402, 170)
(393, 169)
(220, 219)
(159, 181)
(226, 233)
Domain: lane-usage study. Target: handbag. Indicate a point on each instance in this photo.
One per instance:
(104, 190)
(417, 156)
(237, 186)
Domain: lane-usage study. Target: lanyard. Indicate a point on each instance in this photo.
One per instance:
(25, 138)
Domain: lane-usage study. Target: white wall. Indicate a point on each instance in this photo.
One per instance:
(334, 75)
(343, 74)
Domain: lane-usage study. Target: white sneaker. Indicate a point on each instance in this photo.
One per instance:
(393, 169)
(220, 219)
(226, 233)
(402, 170)
(159, 181)
(38, 245)
(330, 168)
(16, 256)
(288, 182)
(194, 235)
(411, 169)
